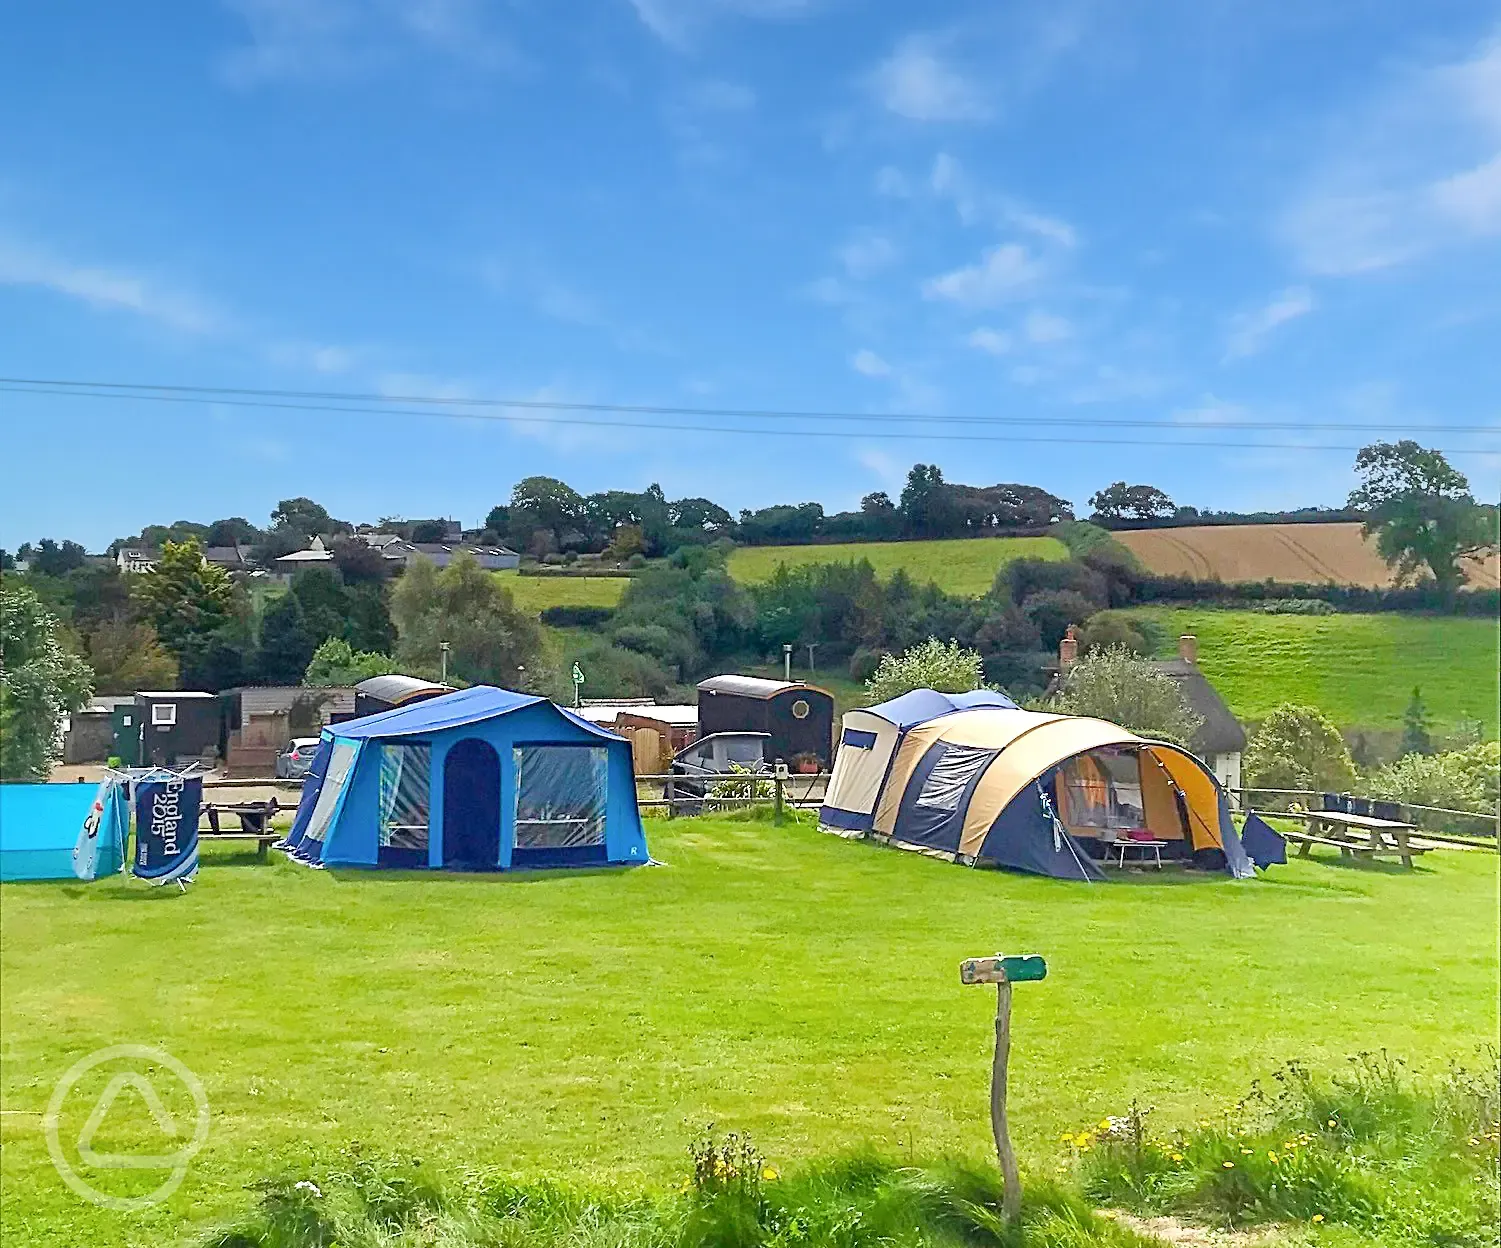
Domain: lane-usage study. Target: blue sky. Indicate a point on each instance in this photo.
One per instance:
(1051, 213)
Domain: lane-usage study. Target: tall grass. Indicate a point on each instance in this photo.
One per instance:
(859, 1201)
(1395, 1159)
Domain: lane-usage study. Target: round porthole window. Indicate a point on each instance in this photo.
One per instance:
(800, 709)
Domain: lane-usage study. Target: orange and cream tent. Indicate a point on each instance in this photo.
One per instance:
(1049, 794)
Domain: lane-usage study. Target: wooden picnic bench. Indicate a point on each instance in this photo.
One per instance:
(1360, 836)
(255, 823)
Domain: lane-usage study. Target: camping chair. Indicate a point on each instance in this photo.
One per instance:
(1390, 811)
(1334, 802)
(1358, 805)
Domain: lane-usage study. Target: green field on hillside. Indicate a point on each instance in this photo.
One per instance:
(587, 1024)
(1358, 669)
(961, 567)
(537, 593)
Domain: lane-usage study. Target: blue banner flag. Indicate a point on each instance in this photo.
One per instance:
(100, 848)
(167, 828)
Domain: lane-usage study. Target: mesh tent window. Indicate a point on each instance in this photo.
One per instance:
(405, 788)
(560, 796)
(339, 763)
(946, 784)
(1103, 790)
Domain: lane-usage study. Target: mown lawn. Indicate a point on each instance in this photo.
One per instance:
(536, 593)
(1359, 669)
(771, 979)
(960, 567)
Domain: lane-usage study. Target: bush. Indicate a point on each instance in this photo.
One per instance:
(576, 616)
(1122, 688)
(554, 560)
(1020, 579)
(1053, 610)
(1295, 606)
(932, 664)
(1297, 747)
(1468, 779)
(1108, 629)
(636, 561)
(1084, 539)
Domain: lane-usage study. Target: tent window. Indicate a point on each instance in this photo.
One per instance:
(860, 740)
(339, 763)
(1102, 789)
(560, 796)
(405, 785)
(951, 775)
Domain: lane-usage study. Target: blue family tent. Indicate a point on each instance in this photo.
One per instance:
(479, 780)
(40, 825)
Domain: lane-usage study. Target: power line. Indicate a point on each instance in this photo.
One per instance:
(128, 388)
(219, 396)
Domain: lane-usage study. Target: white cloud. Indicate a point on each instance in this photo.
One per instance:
(313, 357)
(991, 341)
(678, 23)
(106, 288)
(1211, 411)
(310, 39)
(893, 182)
(1043, 328)
(869, 364)
(867, 254)
(918, 83)
(1473, 199)
(886, 468)
(1249, 331)
(1418, 169)
(949, 180)
(1004, 272)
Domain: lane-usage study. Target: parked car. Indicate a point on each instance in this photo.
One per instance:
(714, 757)
(295, 760)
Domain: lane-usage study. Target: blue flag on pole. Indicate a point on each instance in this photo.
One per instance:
(167, 828)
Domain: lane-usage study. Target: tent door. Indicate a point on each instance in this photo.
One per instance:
(471, 806)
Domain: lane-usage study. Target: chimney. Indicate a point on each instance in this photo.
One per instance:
(1068, 650)
(1188, 648)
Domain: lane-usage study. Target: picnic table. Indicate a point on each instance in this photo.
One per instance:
(255, 823)
(1147, 851)
(1360, 836)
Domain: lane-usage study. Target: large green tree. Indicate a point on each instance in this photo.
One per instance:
(187, 600)
(40, 682)
(1298, 747)
(490, 640)
(1421, 512)
(287, 644)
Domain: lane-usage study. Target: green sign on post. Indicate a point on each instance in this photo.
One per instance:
(1003, 970)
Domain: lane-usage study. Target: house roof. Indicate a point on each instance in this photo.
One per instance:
(607, 712)
(454, 548)
(1221, 732)
(316, 553)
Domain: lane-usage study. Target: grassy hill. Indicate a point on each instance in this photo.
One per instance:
(587, 1024)
(1314, 553)
(1359, 669)
(536, 593)
(967, 566)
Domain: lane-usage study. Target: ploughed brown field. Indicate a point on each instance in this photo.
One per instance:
(1285, 552)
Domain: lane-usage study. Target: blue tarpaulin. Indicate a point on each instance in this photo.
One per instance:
(39, 825)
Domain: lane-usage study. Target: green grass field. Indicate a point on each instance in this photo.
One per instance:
(536, 593)
(1358, 669)
(588, 1024)
(959, 567)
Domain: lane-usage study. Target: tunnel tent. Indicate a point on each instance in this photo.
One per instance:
(868, 741)
(1050, 793)
(480, 779)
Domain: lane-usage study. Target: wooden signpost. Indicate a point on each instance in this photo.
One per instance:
(1003, 971)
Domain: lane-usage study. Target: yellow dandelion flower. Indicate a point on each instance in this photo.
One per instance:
(1228, 1165)
(1272, 1157)
(1333, 1122)
(769, 1172)
(1104, 1124)
(1318, 1217)
(1176, 1156)
(1246, 1152)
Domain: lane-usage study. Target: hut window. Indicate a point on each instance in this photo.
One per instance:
(560, 795)
(164, 713)
(800, 709)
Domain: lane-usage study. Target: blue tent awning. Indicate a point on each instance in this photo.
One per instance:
(921, 705)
